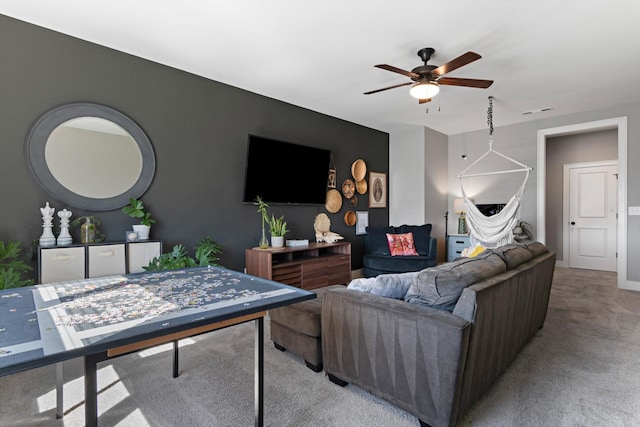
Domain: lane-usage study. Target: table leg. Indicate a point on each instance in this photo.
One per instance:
(91, 390)
(259, 371)
(175, 359)
(59, 390)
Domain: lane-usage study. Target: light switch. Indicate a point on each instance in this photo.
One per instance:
(634, 210)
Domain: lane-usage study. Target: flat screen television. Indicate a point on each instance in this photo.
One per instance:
(284, 172)
(490, 209)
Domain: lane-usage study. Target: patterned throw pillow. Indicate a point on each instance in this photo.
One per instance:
(401, 244)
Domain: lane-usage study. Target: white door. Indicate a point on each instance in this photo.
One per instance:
(592, 217)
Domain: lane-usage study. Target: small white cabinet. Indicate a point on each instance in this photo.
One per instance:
(75, 262)
(456, 243)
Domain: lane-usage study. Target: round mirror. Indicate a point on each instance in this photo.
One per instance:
(90, 156)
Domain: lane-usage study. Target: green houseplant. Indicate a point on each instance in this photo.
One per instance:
(12, 267)
(135, 209)
(277, 229)
(207, 253)
(262, 210)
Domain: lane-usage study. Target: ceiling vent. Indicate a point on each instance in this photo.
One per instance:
(539, 110)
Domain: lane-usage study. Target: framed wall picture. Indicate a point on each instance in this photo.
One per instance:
(377, 190)
(362, 221)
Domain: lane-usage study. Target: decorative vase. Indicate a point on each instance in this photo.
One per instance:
(142, 230)
(88, 231)
(277, 241)
(264, 243)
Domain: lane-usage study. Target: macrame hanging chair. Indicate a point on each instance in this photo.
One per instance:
(496, 230)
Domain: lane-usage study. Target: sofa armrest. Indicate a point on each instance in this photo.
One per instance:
(410, 355)
(433, 247)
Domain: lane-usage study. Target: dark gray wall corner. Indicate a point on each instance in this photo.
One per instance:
(198, 129)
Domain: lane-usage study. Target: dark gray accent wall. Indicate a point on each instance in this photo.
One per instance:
(198, 128)
(561, 150)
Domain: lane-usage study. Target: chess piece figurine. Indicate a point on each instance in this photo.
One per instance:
(47, 238)
(64, 238)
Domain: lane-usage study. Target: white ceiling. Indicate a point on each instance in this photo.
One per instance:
(569, 55)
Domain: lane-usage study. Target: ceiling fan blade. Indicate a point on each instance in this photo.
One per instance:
(453, 81)
(456, 63)
(398, 70)
(424, 101)
(390, 87)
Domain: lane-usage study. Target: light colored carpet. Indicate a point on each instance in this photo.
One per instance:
(580, 369)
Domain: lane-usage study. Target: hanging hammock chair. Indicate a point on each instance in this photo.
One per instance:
(495, 230)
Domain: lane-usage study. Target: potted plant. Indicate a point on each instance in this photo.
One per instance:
(12, 267)
(277, 229)
(135, 209)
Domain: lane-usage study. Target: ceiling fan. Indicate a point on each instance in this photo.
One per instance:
(426, 78)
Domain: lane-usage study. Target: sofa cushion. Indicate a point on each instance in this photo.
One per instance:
(375, 241)
(441, 286)
(513, 255)
(421, 236)
(401, 244)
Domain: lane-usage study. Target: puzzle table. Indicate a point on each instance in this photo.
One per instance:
(107, 317)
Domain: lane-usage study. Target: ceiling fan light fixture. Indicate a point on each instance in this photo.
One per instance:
(424, 90)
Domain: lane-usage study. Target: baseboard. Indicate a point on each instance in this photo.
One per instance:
(562, 264)
(629, 285)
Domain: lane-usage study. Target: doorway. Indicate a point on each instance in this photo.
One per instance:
(590, 215)
(620, 124)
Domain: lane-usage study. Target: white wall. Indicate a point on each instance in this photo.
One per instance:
(406, 177)
(418, 180)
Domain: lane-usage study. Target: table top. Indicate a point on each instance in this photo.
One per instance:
(49, 323)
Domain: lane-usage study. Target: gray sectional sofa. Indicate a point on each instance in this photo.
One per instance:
(432, 342)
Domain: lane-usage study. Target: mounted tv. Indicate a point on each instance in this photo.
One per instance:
(490, 209)
(283, 172)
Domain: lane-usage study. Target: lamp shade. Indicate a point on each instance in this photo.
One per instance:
(458, 206)
(424, 90)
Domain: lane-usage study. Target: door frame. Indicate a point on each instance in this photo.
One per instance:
(565, 204)
(620, 124)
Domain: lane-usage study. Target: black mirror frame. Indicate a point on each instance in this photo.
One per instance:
(36, 141)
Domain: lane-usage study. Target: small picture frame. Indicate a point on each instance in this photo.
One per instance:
(362, 222)
(331, 182)
(377, 190)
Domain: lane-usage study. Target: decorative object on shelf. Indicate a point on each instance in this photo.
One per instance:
(334, 201)
(353, 201)
(378, 193)
(262, 210)
(362, 222)
(64, 238)
(350, 218)
(47, 238)
(359, 170)
(361, 186)
(131, 236)
(12, 266)
(98, 235)
(135, 209)
(459, 208)
(87, 231)
(322, 226)
(348, 188)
